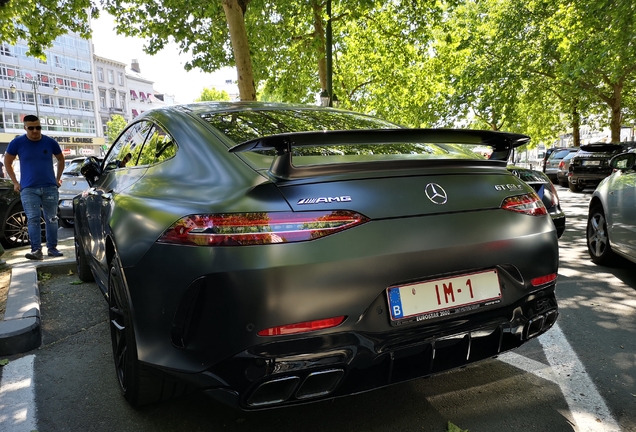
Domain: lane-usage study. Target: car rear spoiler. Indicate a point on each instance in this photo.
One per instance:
(282, 167)
(601, 147)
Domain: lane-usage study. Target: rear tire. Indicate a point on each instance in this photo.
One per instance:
(598, 244)
(139, 383)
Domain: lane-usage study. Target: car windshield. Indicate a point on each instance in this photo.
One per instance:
(560, 154)
(242, 126)
(73, 168)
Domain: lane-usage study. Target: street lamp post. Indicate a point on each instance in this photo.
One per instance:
(35, 84)
(35, 96)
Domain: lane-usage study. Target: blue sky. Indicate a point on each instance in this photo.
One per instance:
(165, 68)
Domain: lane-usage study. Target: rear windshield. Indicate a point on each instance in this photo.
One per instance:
(559, 154)
(244, 126)
(74, 167)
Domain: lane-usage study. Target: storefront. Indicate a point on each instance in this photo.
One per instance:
(72, 146)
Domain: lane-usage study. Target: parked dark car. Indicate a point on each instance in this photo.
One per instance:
(611, 225)
(590, 164)
(272, 255)
(73, 183)
(546, 191)
(14, 222)
(552, 163)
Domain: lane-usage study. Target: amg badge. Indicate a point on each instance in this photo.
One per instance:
(324, 200)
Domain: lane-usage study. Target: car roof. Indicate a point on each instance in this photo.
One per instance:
(198, 108)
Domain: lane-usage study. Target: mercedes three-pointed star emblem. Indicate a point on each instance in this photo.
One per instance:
(436, 193)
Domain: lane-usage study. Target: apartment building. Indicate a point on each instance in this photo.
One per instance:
(60, 90)
(112, 91)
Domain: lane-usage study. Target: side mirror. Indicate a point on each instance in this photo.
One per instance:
(623, 161)
(91, 170)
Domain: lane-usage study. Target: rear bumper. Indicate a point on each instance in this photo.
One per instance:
(551, 173)
(197, 310)
(65, 207)
(328, 366)
(586, 180)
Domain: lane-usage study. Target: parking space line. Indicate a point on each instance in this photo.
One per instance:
(17, 399)
(589, 411)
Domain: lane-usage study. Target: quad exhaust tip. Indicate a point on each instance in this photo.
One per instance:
(280, 390)
(541, 323)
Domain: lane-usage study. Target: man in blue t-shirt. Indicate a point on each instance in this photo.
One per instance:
(38, 183)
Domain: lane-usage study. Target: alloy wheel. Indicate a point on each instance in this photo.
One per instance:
(598, 244)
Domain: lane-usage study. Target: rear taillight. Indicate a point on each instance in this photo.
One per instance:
(561, 165)
(529, 204)
(302, 327)
(542, 280)
(239, 229)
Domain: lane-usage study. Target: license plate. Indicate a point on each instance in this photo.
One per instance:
(590, 163)
(66, 203)
(443, 297)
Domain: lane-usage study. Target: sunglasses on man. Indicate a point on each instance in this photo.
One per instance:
(34, 127)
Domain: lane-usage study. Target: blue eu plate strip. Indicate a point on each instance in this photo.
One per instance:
(395, 303)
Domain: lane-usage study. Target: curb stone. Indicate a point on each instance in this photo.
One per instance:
(20, 331)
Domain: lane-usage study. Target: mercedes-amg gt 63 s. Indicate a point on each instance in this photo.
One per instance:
(271, 255)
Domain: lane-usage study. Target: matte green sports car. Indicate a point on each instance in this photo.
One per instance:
(273, 254)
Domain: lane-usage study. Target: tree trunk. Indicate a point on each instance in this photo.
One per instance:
(616, 117)
(319, 37)
(240, 46)
(576, 127)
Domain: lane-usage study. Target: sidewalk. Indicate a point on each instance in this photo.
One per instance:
(20, 330)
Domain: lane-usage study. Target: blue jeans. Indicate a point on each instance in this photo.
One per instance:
(32, 200)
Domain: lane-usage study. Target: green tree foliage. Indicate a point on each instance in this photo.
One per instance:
(39, 22)
(114, 127)
(285, 38)
(534, 66)
(381, 62)
(212, 94)
(579, 54)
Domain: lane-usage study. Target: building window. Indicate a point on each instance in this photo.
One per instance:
(111, 77)
(113, 99)
(102, 98)
(122, 101)
(120, 78)
(100, 74)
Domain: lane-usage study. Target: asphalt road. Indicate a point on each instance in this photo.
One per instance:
(580, 376)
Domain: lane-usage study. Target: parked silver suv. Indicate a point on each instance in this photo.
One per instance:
(73, 183)
(552, 164)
